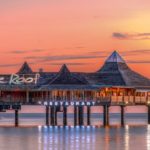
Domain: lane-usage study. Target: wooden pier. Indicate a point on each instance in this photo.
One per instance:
(79, 112)
(52, 109)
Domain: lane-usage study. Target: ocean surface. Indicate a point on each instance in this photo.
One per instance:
(32, 134)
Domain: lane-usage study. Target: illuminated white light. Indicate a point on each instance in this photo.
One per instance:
(72, 103)
(61, 103)
(67, 127)
(82, 103)
(93, 103)
(66, 103)
(77, 103)
(39, 102)
(50, 103)
(148, 137)
(127, 137)
(39, 128)
(88, 127)
(45, 103)
(77, 127)
(88, 103)
(56, 103)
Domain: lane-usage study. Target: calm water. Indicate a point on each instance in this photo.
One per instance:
(75, 138)
(134, 136)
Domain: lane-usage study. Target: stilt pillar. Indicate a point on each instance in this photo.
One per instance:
(52, 115)
(16, 118)
(55, 115)
(47, 115)
(88, 115)
(148, 114)
(122, 115)
(27, 96)
(75, 115)
(65, 116)
(105, 115)
(81, 121)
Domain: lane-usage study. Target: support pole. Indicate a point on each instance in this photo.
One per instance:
(52, 115)
(75, 115)
(105, 115)
(16, 118)
(65, 116)
(88, 115)
(27, 96)
(47, 115)
(81, 115)
(148, 114)
(122, 115)
(55, 115)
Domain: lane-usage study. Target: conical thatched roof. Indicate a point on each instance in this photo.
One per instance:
(116, 72)
(25, 69)
(66, 77)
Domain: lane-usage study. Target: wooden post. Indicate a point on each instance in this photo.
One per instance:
(105, 115)
(148, 114)
(75, 115)
(16, 118)
(27, 96)
(88, 115)
(52, 115)
(81, 115)
(122, 115)
(65, 116)
(47, 115)
(55, 115)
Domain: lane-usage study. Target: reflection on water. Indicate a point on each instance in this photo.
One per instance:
(148, 138)
(75, 138)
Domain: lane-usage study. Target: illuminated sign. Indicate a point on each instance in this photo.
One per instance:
(82, 103)
(2, 80)
(16, 79)
(20, 79)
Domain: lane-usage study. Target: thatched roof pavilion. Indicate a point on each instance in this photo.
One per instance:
(115, 72)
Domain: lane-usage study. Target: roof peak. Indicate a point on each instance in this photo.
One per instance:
(115, 57)
(25, 68)
(64, 69)
(64, 76)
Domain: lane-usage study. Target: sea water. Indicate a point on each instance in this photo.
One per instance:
(32, 134)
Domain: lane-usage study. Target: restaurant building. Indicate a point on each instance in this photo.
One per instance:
(114, 81)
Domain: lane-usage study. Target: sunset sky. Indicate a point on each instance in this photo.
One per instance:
(80, 33)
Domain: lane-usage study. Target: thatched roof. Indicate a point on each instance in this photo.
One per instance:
(25, 69)
(66, 77)
(116, 72)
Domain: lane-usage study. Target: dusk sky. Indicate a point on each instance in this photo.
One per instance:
(80, 33)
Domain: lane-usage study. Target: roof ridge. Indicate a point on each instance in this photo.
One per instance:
(122, 75)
